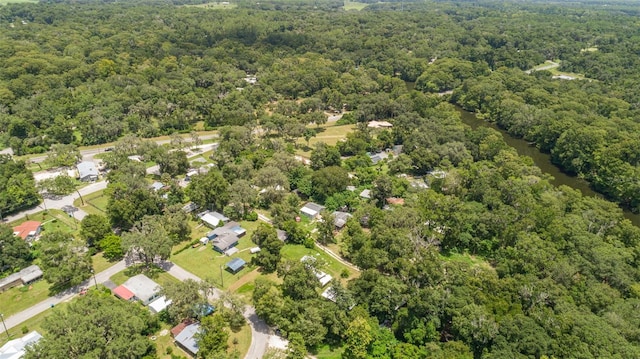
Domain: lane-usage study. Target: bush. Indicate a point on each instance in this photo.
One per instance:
(251, 216)
(169, 350)
(25, 329)
(344, 273)
(347, 119)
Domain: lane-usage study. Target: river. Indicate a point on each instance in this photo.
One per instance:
(541, 160)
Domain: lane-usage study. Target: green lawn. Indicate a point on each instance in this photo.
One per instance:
(52, 220)
(354, 5)
(328, 352)
(333, 267)
(204, 262)
(20, 298)
(95, 203)
(100, 263)
(328, 133)
(160, 277)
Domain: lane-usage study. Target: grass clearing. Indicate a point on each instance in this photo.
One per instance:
(95, 203)
(243, 338)
(328, 352)
(328, 133)
(354, 5)
(295, 252)
(20, 298)
(100, 263)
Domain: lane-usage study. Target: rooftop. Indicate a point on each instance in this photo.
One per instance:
(159, 304)
(26, 275)
(236, 264)
(187, 338)
(122, 292)
(15, 349)
(29, 227)
(142, 286)
(87, 168)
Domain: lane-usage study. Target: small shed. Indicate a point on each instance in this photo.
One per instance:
(312, 210)
(204, 241)
(235, 265)
(254, 250)
(159, 304)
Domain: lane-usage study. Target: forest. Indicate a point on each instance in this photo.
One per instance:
(491, 261)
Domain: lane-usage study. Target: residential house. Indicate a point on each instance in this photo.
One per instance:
(340, 219)
(139, 287)
(235, 265)
(184, 335)
(29, 230)
(16, 348)
(25, 276)
(156, 186)
(87, 171)
(323, 277)
(226, 237)
(377, 157)
(213, 219)
(312, 210)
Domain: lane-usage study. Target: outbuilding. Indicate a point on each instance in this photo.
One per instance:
(235, 265)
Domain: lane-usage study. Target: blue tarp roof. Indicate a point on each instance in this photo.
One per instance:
(235, 264)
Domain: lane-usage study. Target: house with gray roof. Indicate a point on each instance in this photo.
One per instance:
(143, 288)
(226, 237)
(340, 219)
(312, 210)
(25, 276)
(186, 339)
(87, 171)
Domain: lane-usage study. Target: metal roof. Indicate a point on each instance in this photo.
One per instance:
(236, 264)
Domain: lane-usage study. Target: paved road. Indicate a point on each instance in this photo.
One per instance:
(550, 66)
(101, 277)
(87, 154)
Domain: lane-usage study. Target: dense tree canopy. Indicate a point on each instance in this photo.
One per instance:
(96, 325)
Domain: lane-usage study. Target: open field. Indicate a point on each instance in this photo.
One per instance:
(20, 298)
(333, 267)
(354, 5)
(328, 133)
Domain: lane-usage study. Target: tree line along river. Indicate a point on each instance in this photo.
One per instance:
(542, 160)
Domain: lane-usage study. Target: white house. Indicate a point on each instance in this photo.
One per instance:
(312, 210)
(15, 349)
(87, 171)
